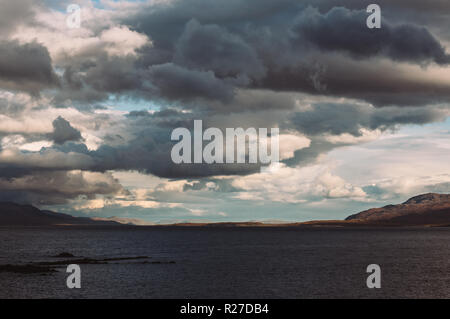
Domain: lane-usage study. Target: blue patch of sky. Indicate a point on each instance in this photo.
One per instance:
(416, 129)
(61, 5)
(131, 104)
(99, 4)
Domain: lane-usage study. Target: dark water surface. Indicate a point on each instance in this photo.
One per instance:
(232, 262)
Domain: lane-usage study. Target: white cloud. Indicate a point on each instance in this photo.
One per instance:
(49, 159)
(289, 143)
(198, 212)
(122, 41)
(98, 31)
(295, 185)
(346, 138)
(35, 146)
(104, 202)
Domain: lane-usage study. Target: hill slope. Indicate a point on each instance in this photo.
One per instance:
(426, 209)
(12, 214)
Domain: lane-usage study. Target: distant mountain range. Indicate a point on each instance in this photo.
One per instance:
(125, 221)
(423, 210)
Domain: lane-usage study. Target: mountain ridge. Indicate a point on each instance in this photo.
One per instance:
(12, 214)
(424, 209)
(429, 209)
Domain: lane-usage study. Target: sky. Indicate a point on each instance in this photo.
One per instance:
(86, 114)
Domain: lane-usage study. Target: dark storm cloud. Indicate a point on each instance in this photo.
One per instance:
(173, 82)
(49, 188)
(150, 150)
(165, 22)
(336, 119)
(111, 74)
(312, 153)
(381, 84)
(204, 53)
(434, 14)
(64, 132)
(343, 30)
(20, 163)
(213, 48)
(14, 13)
(25, 67)
(92, 77)
(8, 107)
(390, 8)
(291, 46)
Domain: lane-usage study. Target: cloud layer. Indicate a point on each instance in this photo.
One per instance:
(78, 106)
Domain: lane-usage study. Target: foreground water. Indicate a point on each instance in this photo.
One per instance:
(232, 262)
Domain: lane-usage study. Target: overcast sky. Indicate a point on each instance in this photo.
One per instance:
(86, 113)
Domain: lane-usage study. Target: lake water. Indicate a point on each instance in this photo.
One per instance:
(232, 262)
